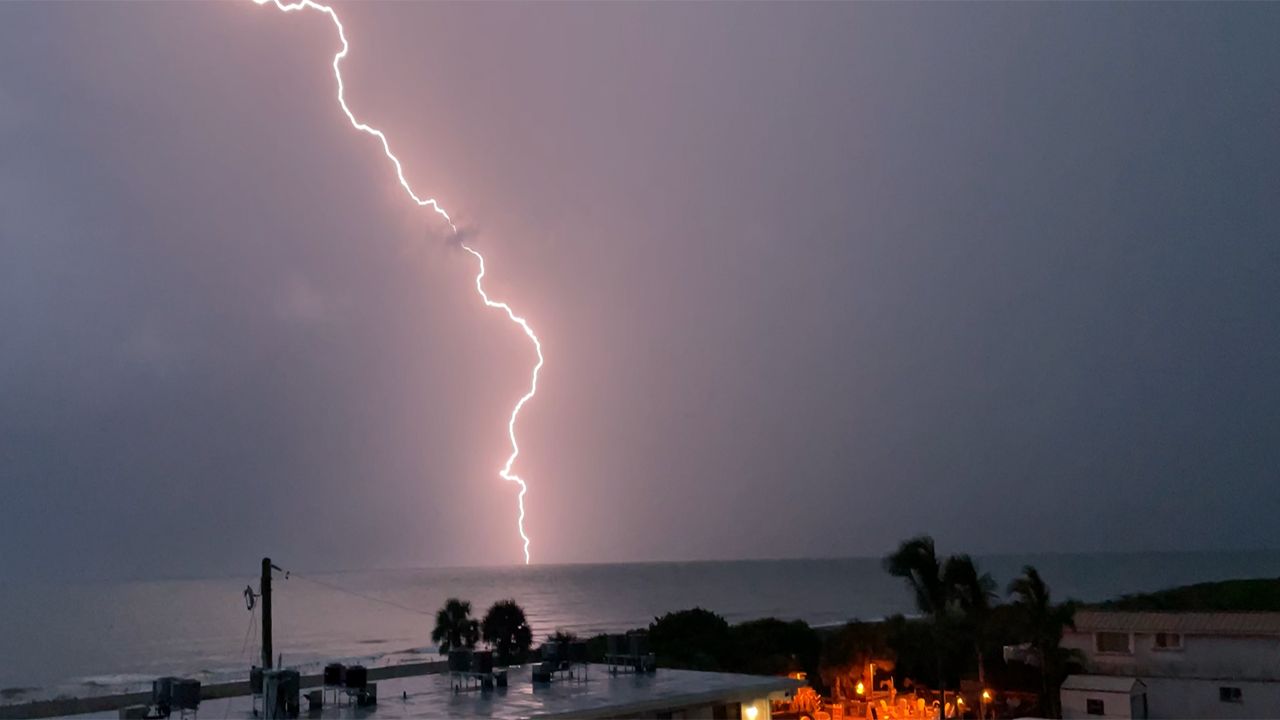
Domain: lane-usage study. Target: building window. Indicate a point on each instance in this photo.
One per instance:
(1168, 641)
(1112, 642)
(730, 711)
(1093, 706)
(1230, 694)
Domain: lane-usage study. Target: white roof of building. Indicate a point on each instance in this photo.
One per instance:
(601, 696)
(1187, 623)
(1103, 683)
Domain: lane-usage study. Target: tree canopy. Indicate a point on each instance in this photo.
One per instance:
(697, 639)
(507, 631)
(1253, 595)
(455, 628)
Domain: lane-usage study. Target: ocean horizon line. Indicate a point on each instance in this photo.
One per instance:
(82, 579)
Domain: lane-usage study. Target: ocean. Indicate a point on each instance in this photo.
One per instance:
(97, 637)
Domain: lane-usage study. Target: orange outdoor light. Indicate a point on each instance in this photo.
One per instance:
(986, 695)
(860, 689)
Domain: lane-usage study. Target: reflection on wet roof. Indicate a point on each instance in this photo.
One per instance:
(601, 695)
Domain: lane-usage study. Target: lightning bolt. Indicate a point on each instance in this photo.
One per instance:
(505, 473)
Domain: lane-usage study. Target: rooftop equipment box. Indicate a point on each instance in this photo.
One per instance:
(357, 677)
(459, 661)
(281, 697)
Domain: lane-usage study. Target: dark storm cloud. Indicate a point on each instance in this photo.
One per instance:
(809, 279)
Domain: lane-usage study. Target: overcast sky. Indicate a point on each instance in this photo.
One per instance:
(810, 278)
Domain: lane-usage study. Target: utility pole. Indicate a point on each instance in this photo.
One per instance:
(265, 588)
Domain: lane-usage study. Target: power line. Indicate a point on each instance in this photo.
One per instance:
(253, 619)
(338, 588)
(253, 623)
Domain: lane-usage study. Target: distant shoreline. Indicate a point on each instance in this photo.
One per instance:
(496, 567)
(119, 617)
(1258, 594)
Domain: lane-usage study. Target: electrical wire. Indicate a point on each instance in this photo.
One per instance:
(244, 647)
(370, 598)
(253, 621)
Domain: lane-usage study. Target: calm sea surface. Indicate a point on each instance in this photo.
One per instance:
(89, 638)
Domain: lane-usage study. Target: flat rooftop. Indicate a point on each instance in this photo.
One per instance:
(601, 695)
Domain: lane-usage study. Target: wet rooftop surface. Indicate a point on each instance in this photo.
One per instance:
(601, 695)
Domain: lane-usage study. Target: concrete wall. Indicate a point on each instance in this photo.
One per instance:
(1183, 698)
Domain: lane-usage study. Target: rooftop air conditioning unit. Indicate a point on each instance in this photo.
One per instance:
(162, 693)
(460, 661)
(357, 677)
(638, 643)
(334, 674)
(281, 697)
(617, 644)
(185, 694)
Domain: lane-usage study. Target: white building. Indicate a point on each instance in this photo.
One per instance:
(1174, 665)
(1086, 696)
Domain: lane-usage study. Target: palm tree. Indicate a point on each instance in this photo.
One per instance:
(972, 593)
(916, 561)
(455, 628)
(1044, 622)
(507, 632)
